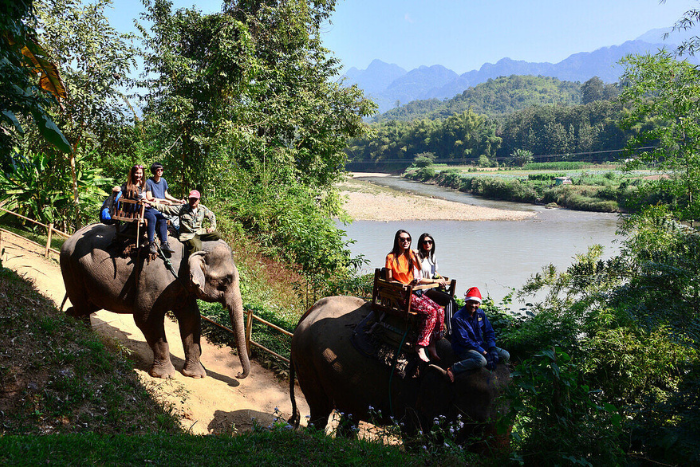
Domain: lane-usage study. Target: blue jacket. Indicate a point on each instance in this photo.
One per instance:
(472, 332)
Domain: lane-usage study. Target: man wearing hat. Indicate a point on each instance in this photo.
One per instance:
(157, 192)
(192, 215)
(473, 339)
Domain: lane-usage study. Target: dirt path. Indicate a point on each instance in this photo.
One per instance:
(217, 404)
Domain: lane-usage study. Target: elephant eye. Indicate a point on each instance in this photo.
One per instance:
(224, 283)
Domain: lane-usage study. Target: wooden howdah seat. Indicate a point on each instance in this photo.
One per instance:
(391, 303)
(131, 212)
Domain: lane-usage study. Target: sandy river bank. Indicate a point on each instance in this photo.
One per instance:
(366, 201)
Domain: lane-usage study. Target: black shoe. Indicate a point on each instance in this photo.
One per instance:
(166, 247)
(152, 249)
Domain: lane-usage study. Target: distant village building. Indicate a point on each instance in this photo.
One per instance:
(562, 181)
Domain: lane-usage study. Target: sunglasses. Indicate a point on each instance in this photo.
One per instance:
(428, 242)
(404, 239)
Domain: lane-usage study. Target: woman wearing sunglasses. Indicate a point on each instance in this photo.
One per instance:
(400, 266)
(135, 189)
(429, 272)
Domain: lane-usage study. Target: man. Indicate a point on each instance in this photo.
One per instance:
(473, 339)
(191, 216)
(157, 192)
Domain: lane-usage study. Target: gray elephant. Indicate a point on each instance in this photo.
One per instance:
(334, 375)
(98, 277)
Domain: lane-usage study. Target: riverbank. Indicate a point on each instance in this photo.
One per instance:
(369, 202)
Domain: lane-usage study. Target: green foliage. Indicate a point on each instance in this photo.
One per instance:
(662, 93)
(547, 177)
(587, 132)
(461, 137)
(555, 416)
(595, 90)
(36, 186)
(496, 97)
(20, 93)
(664, 273)
(562, 165)
(520, 157)
(248, 87)
(424, 159)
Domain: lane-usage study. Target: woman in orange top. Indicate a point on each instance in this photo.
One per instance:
(400, 266)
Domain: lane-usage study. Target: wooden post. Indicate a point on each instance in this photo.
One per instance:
(48, 240)
(249, 332)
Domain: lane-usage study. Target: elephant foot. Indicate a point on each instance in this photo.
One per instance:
(165, 370)
(194, 370)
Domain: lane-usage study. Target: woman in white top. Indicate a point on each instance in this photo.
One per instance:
(428, 273)
(426, 256)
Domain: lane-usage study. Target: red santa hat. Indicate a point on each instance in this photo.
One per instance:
(473, 294)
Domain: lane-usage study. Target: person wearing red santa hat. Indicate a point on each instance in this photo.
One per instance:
(473, 339)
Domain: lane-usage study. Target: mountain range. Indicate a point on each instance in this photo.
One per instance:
(391, 86)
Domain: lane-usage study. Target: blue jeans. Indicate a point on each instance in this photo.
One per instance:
(471, 359)
(156, 218)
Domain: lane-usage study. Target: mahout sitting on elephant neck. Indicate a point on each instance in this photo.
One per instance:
(98, 277)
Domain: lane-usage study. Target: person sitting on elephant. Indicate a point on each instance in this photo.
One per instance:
(191, 216)
(429, 272)
(400, 266)
(135, 189)
(157, 192)
(473, 338)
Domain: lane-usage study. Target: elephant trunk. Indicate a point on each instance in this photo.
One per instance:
(234, 304)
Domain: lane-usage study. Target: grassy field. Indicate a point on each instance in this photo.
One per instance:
(601, 188)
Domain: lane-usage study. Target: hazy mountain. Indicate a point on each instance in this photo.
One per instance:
(376, 78)
(390, 84)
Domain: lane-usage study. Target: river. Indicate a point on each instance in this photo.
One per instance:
(496, 256)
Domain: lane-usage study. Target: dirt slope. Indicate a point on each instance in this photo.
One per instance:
(216, 404)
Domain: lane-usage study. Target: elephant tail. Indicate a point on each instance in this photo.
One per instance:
(295, 418)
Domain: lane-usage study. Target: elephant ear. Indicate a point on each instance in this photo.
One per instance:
(196, 264)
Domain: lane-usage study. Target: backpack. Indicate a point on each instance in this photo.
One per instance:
(105, 210)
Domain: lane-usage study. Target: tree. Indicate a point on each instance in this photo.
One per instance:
(663, 90)
(96, 62)
(29, 82)
(520, 157)
(243, 105)
(592, 90)
(251, 86)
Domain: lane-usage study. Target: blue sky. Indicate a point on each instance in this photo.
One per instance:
(462, 35)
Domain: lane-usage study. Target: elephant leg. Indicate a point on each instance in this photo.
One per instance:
(320, 405)
(190, 323)
(154, 331)
(81, 310)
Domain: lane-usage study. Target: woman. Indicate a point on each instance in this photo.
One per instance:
(400, 265)
(135, 189)
(429, 268)
(428, 263)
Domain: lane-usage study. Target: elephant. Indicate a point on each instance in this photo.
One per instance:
(97, 276)
(333, 374)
